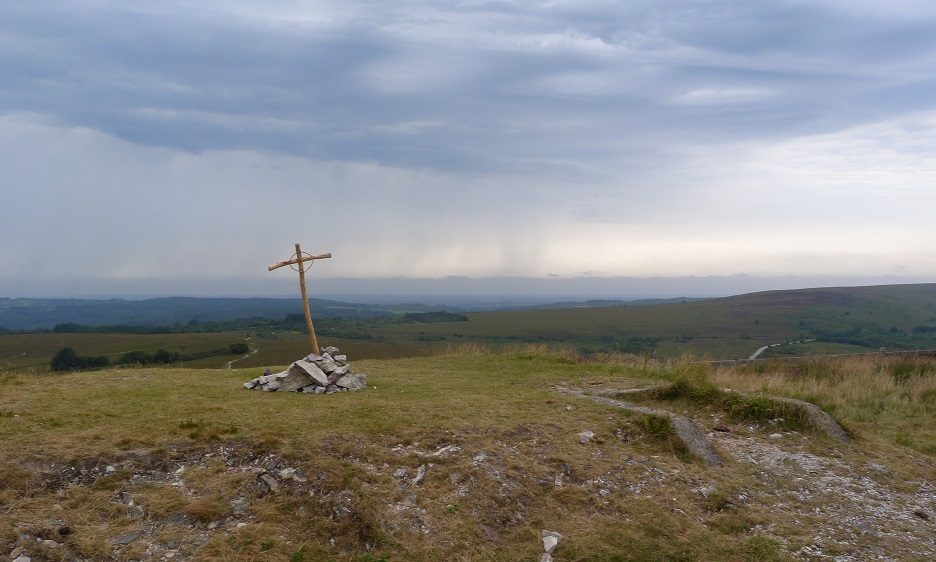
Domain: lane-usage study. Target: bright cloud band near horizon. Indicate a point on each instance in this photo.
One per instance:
(428, 139)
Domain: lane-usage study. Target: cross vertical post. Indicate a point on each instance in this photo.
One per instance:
(299, 260)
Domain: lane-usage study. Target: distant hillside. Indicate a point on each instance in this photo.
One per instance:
(837, 319)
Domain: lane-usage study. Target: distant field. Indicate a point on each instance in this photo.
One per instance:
(291, 346)
(34, 351)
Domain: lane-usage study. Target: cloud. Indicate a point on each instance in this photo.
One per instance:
(713, 96)
(113, 209)
(472, 138)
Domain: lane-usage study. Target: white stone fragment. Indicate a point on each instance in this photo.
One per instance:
(550, 540)
(420, 475)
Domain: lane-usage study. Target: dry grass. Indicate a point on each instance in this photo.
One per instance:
(892, 398)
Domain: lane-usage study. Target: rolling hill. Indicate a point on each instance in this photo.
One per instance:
(838, 319)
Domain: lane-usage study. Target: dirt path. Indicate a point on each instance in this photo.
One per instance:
(230, 364)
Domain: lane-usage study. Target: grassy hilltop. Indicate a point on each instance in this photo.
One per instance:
(131, 464)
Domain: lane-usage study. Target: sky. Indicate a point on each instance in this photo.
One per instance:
(159, 147)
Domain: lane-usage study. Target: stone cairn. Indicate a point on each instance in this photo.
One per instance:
(327, 373)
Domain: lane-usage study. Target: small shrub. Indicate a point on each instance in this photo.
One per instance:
(718, 501)
(164, 357)
(138, 357)
(657, 427)
(693, 386)
(66, 359)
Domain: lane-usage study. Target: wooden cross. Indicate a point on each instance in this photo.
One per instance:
(298, 259)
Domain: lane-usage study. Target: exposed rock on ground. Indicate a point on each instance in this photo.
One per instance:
(685, 429)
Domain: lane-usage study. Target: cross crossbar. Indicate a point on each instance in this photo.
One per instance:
(294, 261)
(299, 259)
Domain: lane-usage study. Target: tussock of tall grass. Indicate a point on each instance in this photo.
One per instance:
(892, 396)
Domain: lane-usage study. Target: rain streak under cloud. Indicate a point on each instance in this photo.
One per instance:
(160, 141)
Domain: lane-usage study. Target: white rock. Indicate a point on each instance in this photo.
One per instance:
(550, 540)
(420, 475)
(269, 481)
(448, 449)
(546, 557)
(775, 435)
(586, 436)
(23, 558)
(291, 474)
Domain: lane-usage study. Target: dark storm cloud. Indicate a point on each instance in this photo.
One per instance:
(498, 85)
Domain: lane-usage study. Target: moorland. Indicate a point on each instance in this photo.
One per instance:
(476, 433)
(788, 323)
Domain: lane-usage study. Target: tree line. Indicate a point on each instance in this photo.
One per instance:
(66, 359)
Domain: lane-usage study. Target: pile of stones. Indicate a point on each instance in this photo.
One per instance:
(327, 373)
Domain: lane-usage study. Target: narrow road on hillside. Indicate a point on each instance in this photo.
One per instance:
(230, 363)
(760, 350)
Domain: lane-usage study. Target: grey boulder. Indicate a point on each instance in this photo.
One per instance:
(353, 381)
(313, 373)
(327, 364)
